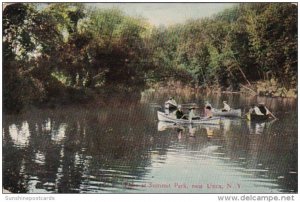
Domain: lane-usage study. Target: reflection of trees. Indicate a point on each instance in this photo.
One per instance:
(13, 179)
(95, 151)
(119, 148)
(14, 148)
(267, 154)
(41, 143)
(39, 158)
(79, 150)
(71, 170)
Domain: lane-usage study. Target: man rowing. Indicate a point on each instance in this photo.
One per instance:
(192, 115)
(180, 114)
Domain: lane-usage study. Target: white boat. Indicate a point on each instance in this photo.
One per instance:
(231, 113)
(203, 120)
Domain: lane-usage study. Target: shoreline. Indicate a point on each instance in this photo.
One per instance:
(261, 88)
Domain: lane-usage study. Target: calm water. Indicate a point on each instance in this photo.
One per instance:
(124, 149)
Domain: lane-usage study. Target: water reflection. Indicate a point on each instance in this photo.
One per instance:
(125, 149)
(259, 127)
(189, 131)
(19, 134)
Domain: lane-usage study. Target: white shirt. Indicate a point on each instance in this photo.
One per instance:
(226, 107)
(172, 102)
(191, 114)
(257, 111)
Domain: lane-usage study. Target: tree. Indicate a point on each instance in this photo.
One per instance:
(27, 34)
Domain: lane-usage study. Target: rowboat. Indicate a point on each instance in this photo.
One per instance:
(231, 113)
(203, 120)
(255, 117)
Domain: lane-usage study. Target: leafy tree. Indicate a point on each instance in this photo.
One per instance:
(67, 52)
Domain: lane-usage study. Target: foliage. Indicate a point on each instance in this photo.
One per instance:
(247, 43)
(66, 51)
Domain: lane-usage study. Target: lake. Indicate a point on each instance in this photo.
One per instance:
(123, 148)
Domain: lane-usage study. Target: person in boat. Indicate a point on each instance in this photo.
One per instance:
(171, 104)
(180, 114)
(255, 110)
(259, 110)
(208, 110)
(192, 115)
(263, 109)
(226, 107)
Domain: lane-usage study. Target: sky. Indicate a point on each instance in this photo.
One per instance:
(167, 13)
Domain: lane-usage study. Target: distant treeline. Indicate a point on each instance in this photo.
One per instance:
(66, 52)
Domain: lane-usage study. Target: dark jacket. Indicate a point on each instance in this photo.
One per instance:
(179, 114)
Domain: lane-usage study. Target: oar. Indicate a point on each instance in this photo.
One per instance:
(188, 104)
(272, 114)
(245, 116)
(187, 107)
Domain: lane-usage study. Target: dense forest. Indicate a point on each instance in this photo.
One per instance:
(69, 53)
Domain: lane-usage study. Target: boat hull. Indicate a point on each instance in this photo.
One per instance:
(255, 117)
(231, 113)
(163, 117)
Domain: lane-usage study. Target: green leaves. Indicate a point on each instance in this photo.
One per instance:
(272, 35)
(249, 42)
(67, 46)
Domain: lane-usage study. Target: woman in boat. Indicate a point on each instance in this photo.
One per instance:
(255, 110)
(208, 110)
(226, 107)
(171, 102)
(170, 105)
(180, 114)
